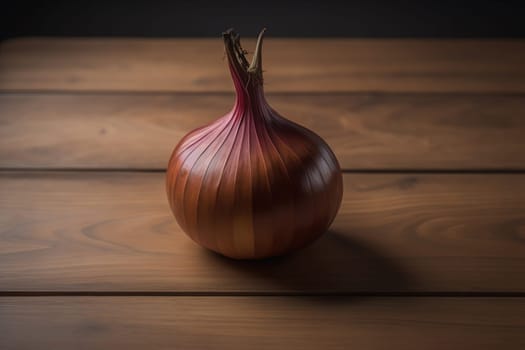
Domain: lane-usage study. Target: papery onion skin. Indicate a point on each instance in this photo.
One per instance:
(253, 184)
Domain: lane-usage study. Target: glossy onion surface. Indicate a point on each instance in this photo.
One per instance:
(253, 184)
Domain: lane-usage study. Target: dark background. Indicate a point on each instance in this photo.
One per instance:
(288, 18)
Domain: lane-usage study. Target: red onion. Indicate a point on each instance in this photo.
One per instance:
(253, 184)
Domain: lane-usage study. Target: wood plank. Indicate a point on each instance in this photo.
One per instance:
(261, 323)
(90, 231)
(393, 65)
(366, 131)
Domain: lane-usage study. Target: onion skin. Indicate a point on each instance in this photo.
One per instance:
(253, 184)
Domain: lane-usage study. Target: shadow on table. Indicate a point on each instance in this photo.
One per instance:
(336, 264)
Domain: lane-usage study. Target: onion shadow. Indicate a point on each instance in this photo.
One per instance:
(337, 264)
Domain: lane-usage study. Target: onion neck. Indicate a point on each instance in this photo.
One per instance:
(247, 77)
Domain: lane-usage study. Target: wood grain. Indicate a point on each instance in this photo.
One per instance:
(91, 231)
(261, 323)
(318, 65)
(366, 131)
(382, 104)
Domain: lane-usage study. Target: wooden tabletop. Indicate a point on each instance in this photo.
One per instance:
(428, 249)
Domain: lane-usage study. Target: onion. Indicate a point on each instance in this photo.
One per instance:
(253, 184)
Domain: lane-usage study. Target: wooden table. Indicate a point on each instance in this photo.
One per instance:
(428, 250)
